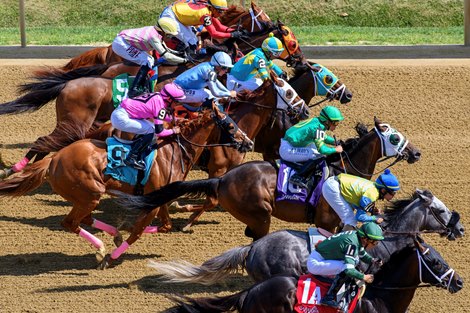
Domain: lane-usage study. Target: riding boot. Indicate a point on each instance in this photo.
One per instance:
(139, 82)
(330, 298)
(135, 156)
(301, 177)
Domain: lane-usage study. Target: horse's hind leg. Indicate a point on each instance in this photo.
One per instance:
(20, 165)
(111, 230)
(164, 216)
(209, 204)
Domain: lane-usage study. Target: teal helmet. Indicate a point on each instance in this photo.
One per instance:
(330, 113)
(371, 231)
(272, 45)
(388, 181)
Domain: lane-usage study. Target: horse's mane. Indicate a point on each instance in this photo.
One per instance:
(232, 13)
(394, 210)
(299, 70)
(351, 143)
(245, 95)
(188, 127)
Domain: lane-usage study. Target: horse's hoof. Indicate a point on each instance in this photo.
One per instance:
(4, 173)
(164, 229)
(107, 262)
(187, 229)
(118, 239)
(100, 255)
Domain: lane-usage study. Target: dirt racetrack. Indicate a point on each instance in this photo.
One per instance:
(44, 269)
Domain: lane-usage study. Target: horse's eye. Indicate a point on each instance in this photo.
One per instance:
(328, 80)
(394, 139)
(289, 94)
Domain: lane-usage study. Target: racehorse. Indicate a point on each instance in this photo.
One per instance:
(76, 173)
(309, 80)
(252, 201)
(392, 290)
(285, 252)
(254, 20)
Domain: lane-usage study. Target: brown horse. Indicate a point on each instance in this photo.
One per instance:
(254, 20)
(76, 173)
(248, 190)
(308, 82)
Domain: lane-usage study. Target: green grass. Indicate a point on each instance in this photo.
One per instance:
(315, 35)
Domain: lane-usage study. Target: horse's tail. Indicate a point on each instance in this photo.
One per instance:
(65, 133)
(210, 272)
(47, 87)
(94, 56)
(31, 178)
(170, 192)
(208, 304)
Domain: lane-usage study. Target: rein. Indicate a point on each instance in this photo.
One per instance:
(205, 146)
(373, 173)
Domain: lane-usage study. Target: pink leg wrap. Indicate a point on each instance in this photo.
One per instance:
(119, 250)
(98, 244)
(151, 230)
(18, 167)
(113, 231)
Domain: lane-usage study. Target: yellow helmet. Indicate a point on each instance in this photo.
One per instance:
(219, 4)
(168, 26)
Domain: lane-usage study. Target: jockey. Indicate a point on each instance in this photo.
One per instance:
(134, 45)
(307, 142)
(345, 193)
(194, 80)
(192, 13)
(252, 70)
(339, 255)
(133, 114)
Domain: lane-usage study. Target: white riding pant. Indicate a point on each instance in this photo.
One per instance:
(298, 154)
(197, 95)
(317, 265)
(185, 33)
(125, 50)
(332, 194)
(237, 85)
(120, 119)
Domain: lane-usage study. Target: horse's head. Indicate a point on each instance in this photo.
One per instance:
(439, 217)
(252, 20)
(327, 84)
(434, 269)
(292, 53)
(395, 144)
(288, 99)
(231, 133)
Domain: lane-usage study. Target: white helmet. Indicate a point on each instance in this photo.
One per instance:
(221, 59)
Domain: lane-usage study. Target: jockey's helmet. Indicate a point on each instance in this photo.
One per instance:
(221, 59)
(330, 113)
(388, 181)
(167, 25)
(272, 45)
(219, 4)
(371, 231)
(172, 91)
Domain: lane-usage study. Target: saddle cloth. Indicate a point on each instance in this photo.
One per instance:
(117, 153)
(290, 192)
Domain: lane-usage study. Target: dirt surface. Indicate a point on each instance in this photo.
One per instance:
(43, 268)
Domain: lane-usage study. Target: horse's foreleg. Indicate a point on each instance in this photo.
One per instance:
(209, 204)
(111, 230)
(164, 216)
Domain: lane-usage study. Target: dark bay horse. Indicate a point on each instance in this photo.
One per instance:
(76, 173)
(410, 263)
(248, 190)
(308, 81)
(285, 252)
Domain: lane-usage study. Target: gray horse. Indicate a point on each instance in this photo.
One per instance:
(285, 252)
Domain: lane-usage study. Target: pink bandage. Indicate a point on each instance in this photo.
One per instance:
(18, 167)
(90, 238)
(119, 250)
(151, 230)
(113, 231)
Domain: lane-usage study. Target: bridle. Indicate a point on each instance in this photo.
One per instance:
(331, 94)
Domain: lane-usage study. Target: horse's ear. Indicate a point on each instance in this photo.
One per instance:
(377, 122)
(424, 195)
(254, 7)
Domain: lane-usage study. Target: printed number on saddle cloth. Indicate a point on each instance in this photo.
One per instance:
(310, 295)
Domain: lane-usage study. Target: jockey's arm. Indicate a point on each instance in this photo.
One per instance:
(221, 27)
(216, 87)
(350, 262)
(161, 132)
(275, 68)
(166, 53)
(208, 22)
(322, 147)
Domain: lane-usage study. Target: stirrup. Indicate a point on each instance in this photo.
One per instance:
(132, 162)
(329, 302)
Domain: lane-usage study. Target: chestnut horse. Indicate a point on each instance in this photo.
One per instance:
(412, 263)
(248, 190)
(83, 162)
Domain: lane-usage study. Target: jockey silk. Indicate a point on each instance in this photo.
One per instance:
(254, 64)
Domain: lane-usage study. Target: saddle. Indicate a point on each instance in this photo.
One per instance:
(311, 288)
